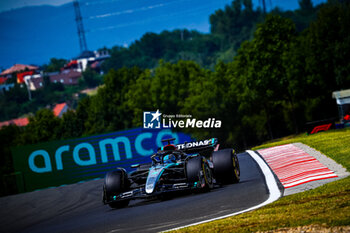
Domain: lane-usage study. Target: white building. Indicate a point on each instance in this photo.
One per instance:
(343, 102)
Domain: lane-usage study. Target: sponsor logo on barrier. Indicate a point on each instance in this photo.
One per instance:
(116, 145)
(69, 161)
(318, 126)
(321, 128)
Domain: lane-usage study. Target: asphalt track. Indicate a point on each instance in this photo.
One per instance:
(78, 207)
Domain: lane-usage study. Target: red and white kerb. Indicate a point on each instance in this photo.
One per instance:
(293, 166)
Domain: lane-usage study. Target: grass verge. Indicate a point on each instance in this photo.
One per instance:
(328, 205)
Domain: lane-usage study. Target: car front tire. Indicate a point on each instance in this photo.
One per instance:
(116, 182)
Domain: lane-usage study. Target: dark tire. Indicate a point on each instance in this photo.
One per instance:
(226, 166)
(116, 182)
(197, 170)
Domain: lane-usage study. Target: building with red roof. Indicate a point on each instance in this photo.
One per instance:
(34, 82)
(73, 64)
(66, 77)
(87, 59)
(5, 86)
(2, 80)
(20, 75)
(59, 109)
(18, 68)
(19, 122)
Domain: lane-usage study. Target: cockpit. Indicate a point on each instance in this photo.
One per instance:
(170, 158)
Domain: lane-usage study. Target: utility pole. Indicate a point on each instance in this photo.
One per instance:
(81, 32)
(26, 82)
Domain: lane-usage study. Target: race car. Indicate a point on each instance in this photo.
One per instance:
(192, 166)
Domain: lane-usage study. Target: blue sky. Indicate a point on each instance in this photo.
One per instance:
(6, 5)
(34, 35)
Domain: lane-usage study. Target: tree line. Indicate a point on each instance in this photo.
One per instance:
(276, 82)
(229, 27)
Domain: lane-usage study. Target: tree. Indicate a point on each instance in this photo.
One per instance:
(44, 126)
(107, 110)
(170, 83)
(139, 97)
(55, 65)
(263, 73)
(324, 48)
(71, 126)
(165, 89)
(236, 23)
(91, 78)
(8, 138)
(82, 113)
(211, 96)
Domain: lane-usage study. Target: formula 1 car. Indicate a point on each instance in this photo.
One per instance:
(190, 166)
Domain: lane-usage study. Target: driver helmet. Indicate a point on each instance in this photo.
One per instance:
(169, 158)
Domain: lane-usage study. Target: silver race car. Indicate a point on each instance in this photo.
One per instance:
(192, 166)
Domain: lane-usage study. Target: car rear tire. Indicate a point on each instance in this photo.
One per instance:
(116, 182)
(226, 166)
(197, 170)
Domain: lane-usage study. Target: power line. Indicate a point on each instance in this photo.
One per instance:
(100, 2)
(127, 11)
(133, 10)
(188, 12)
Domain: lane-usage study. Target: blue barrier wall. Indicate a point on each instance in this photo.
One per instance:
(70, 161)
